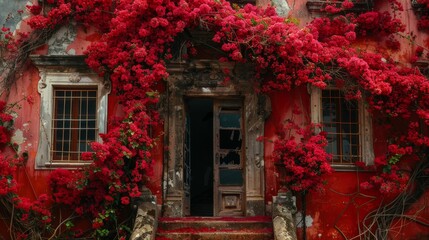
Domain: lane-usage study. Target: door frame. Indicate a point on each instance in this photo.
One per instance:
(205, 79)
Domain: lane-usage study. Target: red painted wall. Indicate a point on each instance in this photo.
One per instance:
(336, 212)
(343, 204)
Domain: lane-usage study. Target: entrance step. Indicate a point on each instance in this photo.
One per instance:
(215, 228)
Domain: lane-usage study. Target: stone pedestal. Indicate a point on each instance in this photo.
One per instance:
(284, 209)
(147, 218)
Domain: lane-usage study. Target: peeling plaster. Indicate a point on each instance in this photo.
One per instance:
(58, 43)
(72, 51)
(18, 137)
(282, 7)
(308, 220)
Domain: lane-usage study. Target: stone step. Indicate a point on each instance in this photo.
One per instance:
(215, 222)
(215, 228)
(215, 236)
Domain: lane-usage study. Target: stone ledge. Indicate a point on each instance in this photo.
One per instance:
(76, 61)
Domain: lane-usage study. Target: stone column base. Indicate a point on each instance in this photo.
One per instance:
(146, 220)
(284, 209)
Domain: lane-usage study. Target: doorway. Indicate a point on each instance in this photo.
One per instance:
(213, 164)
(200, 132)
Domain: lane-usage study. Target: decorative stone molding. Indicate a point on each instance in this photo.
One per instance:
(42, 81)
(64, 71)
(60, 62)
(73, 67)
(74, 78)
(203, 74)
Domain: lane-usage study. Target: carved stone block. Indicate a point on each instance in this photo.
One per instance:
(283, 217)
(146, 220)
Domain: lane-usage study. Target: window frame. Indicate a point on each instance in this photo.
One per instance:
(365, 127)
(75, 119)
(57, 76)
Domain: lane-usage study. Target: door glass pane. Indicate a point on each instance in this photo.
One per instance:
(229, 120)
(230, 139)
(231, 158)
(230, 177)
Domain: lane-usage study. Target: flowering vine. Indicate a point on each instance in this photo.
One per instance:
(302, 153)
(28, 218)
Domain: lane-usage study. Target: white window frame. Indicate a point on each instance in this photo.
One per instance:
(365, 128)
(69, 77)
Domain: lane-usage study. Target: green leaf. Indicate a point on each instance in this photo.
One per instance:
(292, 20)
(387, 169)
(394, 159)
(152, 94)
(254, 23)
(69, 224)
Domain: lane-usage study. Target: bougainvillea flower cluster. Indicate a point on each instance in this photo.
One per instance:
(302, 153)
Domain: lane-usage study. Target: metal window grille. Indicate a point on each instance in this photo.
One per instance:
(318, 6)
(74, 121)
(340, 118)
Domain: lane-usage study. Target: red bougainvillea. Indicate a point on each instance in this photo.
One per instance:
(31, 217)
(302, 153)
(6, 124)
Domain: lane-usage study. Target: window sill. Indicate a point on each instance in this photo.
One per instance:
(68, 165)
(349, 168)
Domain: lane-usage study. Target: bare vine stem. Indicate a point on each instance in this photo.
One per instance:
(60, 225)
(11, 221)
(377, 223)
(16, 62)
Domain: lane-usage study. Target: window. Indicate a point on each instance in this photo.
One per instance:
(348, 127)
(73, 113)
(73, 122)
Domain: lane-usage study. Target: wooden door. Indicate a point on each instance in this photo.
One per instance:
(228, 158)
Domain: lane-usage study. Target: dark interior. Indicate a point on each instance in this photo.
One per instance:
(200, 112)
